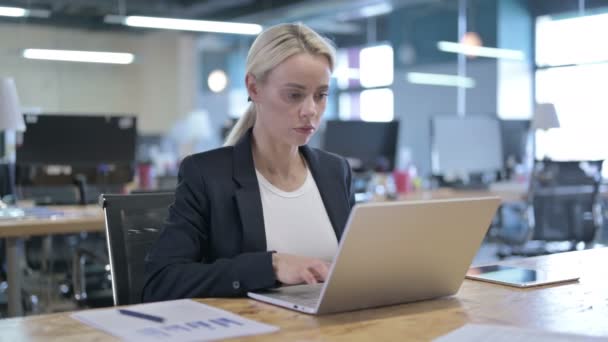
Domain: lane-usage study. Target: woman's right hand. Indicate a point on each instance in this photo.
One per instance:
(293, 269)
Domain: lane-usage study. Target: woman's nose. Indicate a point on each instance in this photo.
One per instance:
(309, 107)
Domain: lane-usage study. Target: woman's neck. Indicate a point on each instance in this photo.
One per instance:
(276, 161)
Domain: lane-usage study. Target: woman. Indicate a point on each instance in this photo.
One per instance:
(265, 209)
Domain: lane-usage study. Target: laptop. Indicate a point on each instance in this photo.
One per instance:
(395, 252)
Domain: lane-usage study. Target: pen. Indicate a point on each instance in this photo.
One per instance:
(141, 315)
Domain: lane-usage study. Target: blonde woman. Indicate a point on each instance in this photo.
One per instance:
(265, 209)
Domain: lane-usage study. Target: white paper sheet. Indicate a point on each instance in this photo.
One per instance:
(184, 320)
(500, 333)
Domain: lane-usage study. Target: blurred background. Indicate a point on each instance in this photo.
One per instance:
(398, 60)
(501, 96)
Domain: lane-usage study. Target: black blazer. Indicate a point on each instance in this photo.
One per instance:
(214, 241)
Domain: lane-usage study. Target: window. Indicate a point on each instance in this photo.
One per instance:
(577, 40)
(572, 61)
(579, 95)
(362, 76)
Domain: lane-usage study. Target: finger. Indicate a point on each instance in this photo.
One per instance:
(308, 277)
(320, 271)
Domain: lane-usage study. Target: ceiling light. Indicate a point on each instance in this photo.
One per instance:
(471, 38)
(13, 12)
(79, 56)
(185, 24)
(440, 80)
(472, 50)
(375, 10)
(217, 81)
(369, 11)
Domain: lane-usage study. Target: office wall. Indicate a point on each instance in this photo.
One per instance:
(159, 87)
(419, 29)
(416, 104)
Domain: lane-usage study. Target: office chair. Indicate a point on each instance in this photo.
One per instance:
(91, 286)
(133, 223)
(3, 283)
(563, 205)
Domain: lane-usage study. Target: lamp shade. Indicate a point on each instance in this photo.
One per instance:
(545, 117)
(11, 117)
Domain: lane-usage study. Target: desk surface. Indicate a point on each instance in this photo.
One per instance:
(90, 218)
(75, 219)
(508, 192)
(578, 307)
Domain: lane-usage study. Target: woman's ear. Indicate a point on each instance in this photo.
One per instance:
(252, 87)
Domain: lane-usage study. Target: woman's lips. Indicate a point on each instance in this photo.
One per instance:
(305, 129)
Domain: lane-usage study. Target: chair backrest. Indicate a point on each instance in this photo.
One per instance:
(133, 223)
(564, 195)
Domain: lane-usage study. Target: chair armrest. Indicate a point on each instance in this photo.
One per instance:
(78, 271)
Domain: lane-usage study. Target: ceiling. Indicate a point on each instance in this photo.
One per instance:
(199, 9)
(338, 17)
(335, 16)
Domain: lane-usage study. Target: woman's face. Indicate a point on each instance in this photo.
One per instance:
(292, 99)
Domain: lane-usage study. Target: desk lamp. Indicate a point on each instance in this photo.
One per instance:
(11, 119)
(545, 118)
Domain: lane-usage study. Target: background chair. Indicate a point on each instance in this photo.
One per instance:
(91, 282)
(565, 198)
(133, 223)
(563, 205)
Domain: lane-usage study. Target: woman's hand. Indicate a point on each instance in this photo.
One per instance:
(293, 269)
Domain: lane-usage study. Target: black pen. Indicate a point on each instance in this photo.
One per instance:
(141, 315)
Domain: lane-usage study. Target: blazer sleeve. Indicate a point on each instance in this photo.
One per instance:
(349, 184)
(178, 265)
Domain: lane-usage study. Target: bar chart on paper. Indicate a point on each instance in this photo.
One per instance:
(179, 320)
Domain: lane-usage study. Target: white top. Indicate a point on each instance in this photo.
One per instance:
(296, 222)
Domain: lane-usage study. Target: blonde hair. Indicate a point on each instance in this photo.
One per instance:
(269, 49)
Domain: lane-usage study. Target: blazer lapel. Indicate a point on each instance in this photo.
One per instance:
(247, 196)
(329, 188)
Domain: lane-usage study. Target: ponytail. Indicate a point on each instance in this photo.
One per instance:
(242, 126)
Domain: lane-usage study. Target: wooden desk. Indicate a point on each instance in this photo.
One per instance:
(75, 219)
(508, 192)
(578, 307)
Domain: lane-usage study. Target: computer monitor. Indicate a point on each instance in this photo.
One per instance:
(2, 147)
(514, 136)
(466, 145)
(57, 139)
(94, 152)
(367, 145)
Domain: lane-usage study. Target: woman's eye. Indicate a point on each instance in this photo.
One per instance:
(322, 96)
(294, 96)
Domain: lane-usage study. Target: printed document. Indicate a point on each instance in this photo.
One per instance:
(502, 333)
(179, 320)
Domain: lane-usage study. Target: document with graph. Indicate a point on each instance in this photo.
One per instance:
(178, 320)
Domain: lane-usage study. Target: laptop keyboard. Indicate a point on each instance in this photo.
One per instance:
(303, 295)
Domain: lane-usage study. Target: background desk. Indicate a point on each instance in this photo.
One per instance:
(508, 192)
(76, 219)
(578, 307)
